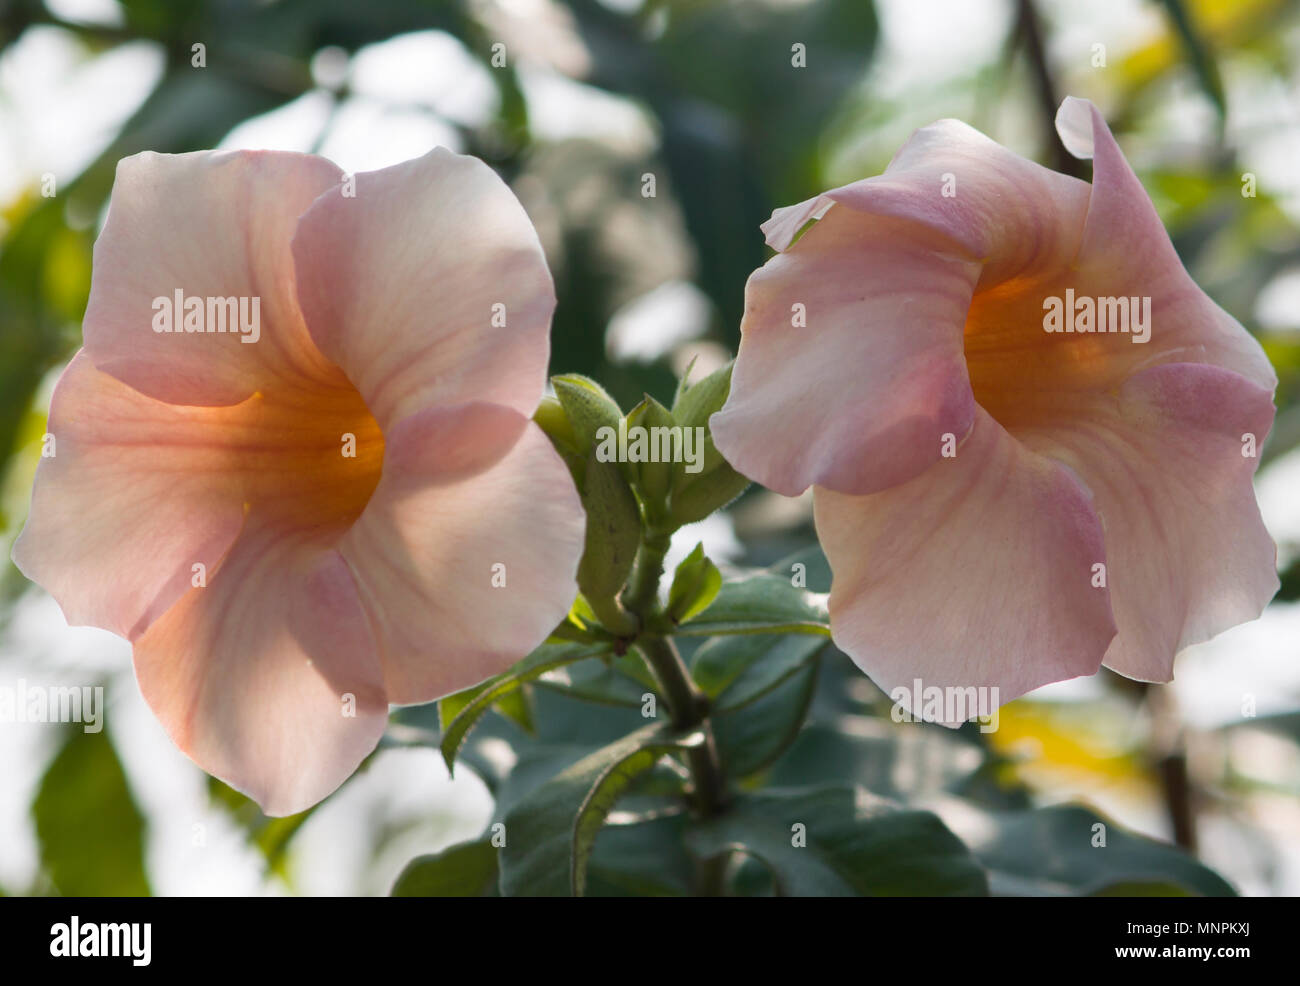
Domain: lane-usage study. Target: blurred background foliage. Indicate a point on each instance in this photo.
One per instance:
(703, 100)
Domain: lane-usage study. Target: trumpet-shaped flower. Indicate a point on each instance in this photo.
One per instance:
(1031, 435)
(293, 463)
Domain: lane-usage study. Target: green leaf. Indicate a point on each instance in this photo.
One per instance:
(91, 833)
(622, 681)
(742, 669)
(465, 870)
(550, 832)
(459, 713)
(1050, 852)
(761, 603)
(840, 841)
(645, 859)
(902, 762)
(806, 569)
(517, 706)
(754, 735)
(695, 584)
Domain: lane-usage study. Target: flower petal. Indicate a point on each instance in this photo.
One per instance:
(268, 677)
(135, 495)
(467, 553)
(211, 225)
(992, 205)
(860, 398)
(1188, 555)
(978, 573)
(1125, 250)
(400, 286)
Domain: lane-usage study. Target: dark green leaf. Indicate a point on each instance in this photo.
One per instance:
(761, 603)
(622, 681)
(806, 569)
(840, 841)
(465, 870)
(551, 831)
(753, 736)
(1051, 852)
(646, 859)
(464, 709)
(742, 669)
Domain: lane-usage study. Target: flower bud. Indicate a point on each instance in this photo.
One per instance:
(613, 530)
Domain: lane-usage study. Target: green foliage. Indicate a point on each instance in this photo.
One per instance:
(548, 839)
(1059, 851)
(840, 841)
(460, 712)
(695, 585)
(753, 735)
(742, 669)
(465, 870)
(84, 790)
(761, 603)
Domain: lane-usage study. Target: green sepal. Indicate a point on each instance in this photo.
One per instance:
(695, 585)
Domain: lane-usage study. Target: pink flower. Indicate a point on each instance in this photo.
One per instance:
(1098, 508)
(343, 506)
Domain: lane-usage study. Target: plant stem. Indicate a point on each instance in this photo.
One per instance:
(686, 702)
(690, 710)
(642, 592)
(688, 705)
(613, 617)
(1169, 756)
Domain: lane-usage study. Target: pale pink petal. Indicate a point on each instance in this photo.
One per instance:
(429, 287)
(135, 495)
(861, 396)
(211, 225)
(1125, 251)
(1188, 555)
(978, 573)
(992, 205)
(268, 677)
(466, 555)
